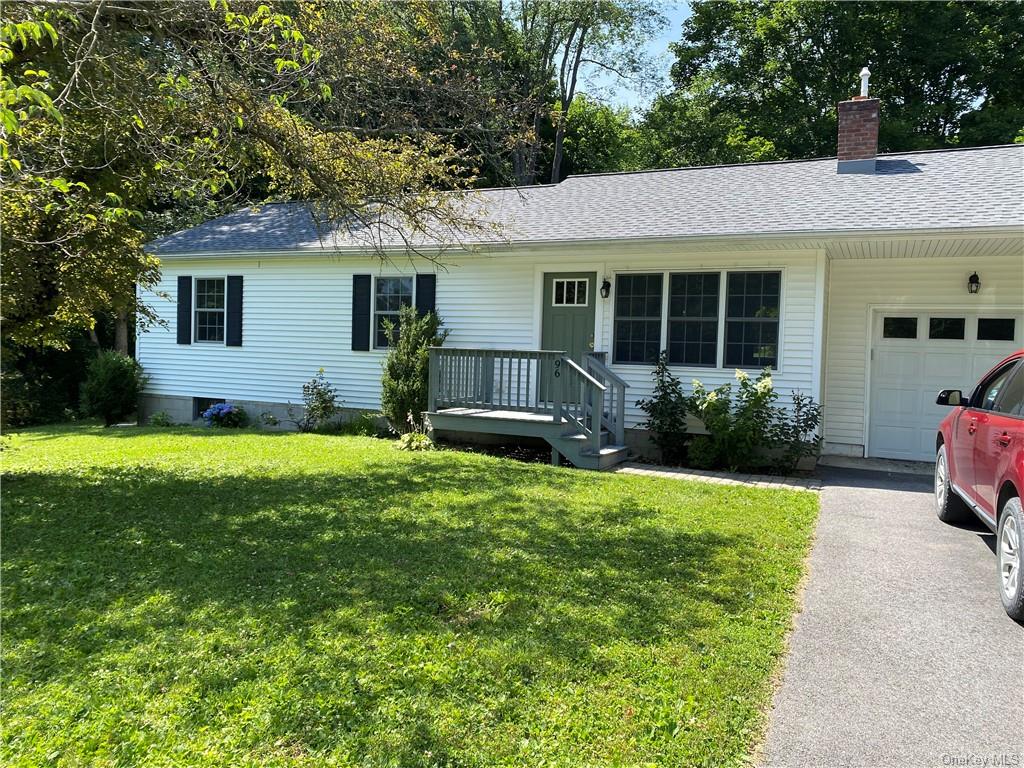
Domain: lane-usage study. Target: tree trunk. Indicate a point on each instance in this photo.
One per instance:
(121, 333)
(556, 161)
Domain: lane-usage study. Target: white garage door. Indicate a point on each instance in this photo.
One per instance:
(917, 354)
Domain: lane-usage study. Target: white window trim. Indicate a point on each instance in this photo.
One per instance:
(196, 309)
(564, 280)
(722, 289)
(373, 312)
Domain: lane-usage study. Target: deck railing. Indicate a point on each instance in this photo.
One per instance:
(500, 379)
(590, 397)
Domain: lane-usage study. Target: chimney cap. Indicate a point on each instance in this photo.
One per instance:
(865, 74)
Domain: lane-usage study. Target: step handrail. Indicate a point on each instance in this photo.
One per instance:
(607, 372)
(615, 422)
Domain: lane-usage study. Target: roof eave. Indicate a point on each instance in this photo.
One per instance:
(946, 232)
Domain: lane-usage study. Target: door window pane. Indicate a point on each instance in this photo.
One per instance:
(946, 328)
(693, 318)
(637, 318)
(752, 319)
(569, 293)
(996, 329)
(899, 328)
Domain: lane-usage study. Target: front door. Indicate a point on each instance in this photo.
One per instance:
(567, 317)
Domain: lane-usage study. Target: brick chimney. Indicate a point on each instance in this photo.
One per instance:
(858, 131)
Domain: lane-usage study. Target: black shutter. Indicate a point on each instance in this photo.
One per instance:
(361, 286)
(233, 331)
(184, 309)
(426, 288)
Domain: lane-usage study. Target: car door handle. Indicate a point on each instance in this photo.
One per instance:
(1004, 439)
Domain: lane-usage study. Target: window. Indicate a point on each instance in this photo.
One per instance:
(210, 295)
(569, 293)
(1012, 399)
(390, 295)
(637, 318)
(996, 329)
(693, 318)
(201, 404)
(946, 328)
(752, 319)
(990, 389)
(899, 328)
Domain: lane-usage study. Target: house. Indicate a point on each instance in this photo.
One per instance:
(867, 281)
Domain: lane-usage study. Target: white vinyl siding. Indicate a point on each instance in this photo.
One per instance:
(298, 318)
(908, 286)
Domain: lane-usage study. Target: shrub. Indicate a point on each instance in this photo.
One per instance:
(268, 419)
(319, 404)
(798, 434)
(160, 419)
(113, 384)
(740, 429)
(702, 453)
(407, 368)
(225, 415)
(666, 413)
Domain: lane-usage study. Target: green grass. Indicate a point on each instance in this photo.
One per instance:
(197, 597)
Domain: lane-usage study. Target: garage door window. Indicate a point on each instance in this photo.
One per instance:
(996, 329)
(946, 328)
(899, 328)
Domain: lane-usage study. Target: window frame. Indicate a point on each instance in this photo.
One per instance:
(760, 320)
(670, 318)
(662, 324)
(723, 273)
(196, 309)
(373, 304)
(564, 281)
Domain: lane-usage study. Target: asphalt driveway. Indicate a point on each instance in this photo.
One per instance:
(902, 654)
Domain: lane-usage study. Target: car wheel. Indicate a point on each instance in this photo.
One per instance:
(948, 506)
(1009, 538)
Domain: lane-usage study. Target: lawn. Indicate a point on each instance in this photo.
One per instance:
(209, 598)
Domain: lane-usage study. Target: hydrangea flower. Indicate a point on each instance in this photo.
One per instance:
(741, 375)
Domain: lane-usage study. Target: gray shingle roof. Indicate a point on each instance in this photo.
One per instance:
(941, 190)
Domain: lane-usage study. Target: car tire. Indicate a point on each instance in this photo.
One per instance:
(948, 505)
(1009, 537)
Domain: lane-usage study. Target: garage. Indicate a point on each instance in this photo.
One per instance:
(913, 356)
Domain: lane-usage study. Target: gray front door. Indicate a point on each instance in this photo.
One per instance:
(567, 321)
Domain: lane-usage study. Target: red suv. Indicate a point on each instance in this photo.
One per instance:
(979, 467)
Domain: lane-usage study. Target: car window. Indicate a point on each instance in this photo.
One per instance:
(991, 388)
(1012, 397)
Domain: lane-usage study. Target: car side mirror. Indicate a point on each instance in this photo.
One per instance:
(950, 397)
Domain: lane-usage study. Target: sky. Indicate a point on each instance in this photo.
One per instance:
(622, 94)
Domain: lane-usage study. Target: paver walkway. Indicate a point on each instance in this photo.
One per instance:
(722, 478)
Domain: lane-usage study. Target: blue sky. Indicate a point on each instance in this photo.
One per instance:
(622, 94)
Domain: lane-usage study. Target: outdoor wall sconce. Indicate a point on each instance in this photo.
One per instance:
(606, 288)
(973, 283)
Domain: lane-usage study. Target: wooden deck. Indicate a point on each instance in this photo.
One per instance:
(578, 409)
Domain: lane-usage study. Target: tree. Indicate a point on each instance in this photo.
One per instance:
(121, 120)
(599, 138)
(546, 47)
(765, 77)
